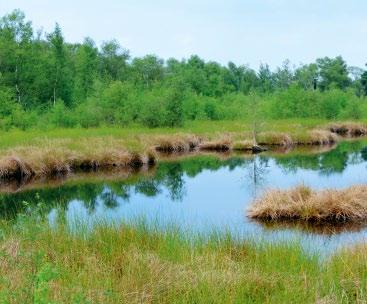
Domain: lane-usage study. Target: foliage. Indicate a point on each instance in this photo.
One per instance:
(79, 84)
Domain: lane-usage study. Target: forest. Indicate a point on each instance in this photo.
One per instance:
(46, 82)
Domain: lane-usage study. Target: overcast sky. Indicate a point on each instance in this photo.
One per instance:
(246, 32)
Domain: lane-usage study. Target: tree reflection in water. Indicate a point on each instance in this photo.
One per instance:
(170, 178)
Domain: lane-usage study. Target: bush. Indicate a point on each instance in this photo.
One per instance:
(88, 114)
(353, 109)
(332, 103)
(60, 116)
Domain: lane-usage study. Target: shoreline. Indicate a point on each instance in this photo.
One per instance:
(61, 157)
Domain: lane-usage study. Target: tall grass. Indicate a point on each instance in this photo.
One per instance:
(303, 203)
(138, 263)
(61, 151)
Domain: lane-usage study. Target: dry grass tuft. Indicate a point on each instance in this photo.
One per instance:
(221, 145)
(13, 167)
(320, 137)
(243, 145)
(348, 129)
(275, 139)
(302, 203)
(177, 143)
(53, 161)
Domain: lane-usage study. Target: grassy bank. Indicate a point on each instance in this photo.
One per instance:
(60, 151)
(137, 264)
(134, 137)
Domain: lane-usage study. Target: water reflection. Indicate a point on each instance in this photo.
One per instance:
(206, 192)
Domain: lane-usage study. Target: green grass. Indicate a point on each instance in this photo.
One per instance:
(137, 263)
(133, 135)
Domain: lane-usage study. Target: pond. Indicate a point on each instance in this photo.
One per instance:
(207, 192)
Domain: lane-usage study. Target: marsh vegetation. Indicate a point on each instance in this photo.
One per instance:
(127, 179)
(136, 263)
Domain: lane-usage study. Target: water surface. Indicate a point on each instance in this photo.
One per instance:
(203, 193)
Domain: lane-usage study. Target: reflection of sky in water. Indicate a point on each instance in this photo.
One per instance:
(203, 194)
(218, 200)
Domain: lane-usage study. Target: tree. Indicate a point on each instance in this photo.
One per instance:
(266, 79)
(241, 78)
(175, 113)
(364, 82)
(86, 63)
(114, 58)
(15, 41)
(306, 76)
(283, 77)
(147, 70)
(59, 75)
(333, 73)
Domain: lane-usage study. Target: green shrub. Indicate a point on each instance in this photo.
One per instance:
(60, 116)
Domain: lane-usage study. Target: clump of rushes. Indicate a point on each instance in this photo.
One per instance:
(14, 167)
(319, 137)
(177, 143)
(137, 262)
(348, 129)
(243, 145)
(221, 145)
(302, 203)
(60, 161)
(275, 139)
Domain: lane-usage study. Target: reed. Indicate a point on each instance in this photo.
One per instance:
(321, 137)
(352, 129)
(275, 139)
(302, 203)
(52, 161)
(221, 145)
(242, 145)
(140, 263)
(24, 154)
(177, 143)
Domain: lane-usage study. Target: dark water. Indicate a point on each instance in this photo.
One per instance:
(203, 193)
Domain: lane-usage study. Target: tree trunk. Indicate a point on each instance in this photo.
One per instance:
(254, 131)
(54, 95)
(16, 84)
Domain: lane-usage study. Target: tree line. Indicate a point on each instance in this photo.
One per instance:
(45, 80)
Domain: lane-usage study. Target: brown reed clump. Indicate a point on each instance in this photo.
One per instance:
(177, 143)
(352, 129)
(13, 167)
(48, 161)
(320, 137)
(243, 145)
(275, 139)
(221, 145)
(302, 203)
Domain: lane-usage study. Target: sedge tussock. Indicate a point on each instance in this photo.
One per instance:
(243, 145)
(14, 167)
(177, 143)
(221, 145)
(47, 161)
(275, 139)
(321, 137)
(302, 203)
(348, 129)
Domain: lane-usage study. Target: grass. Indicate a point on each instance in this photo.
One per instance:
(50, 160)
(348, 128)
(302, 203)
(136, 138)
(138, 263)
(61, 151)
(221, 145)
(177, 143)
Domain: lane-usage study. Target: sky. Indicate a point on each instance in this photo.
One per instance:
(245, 32)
